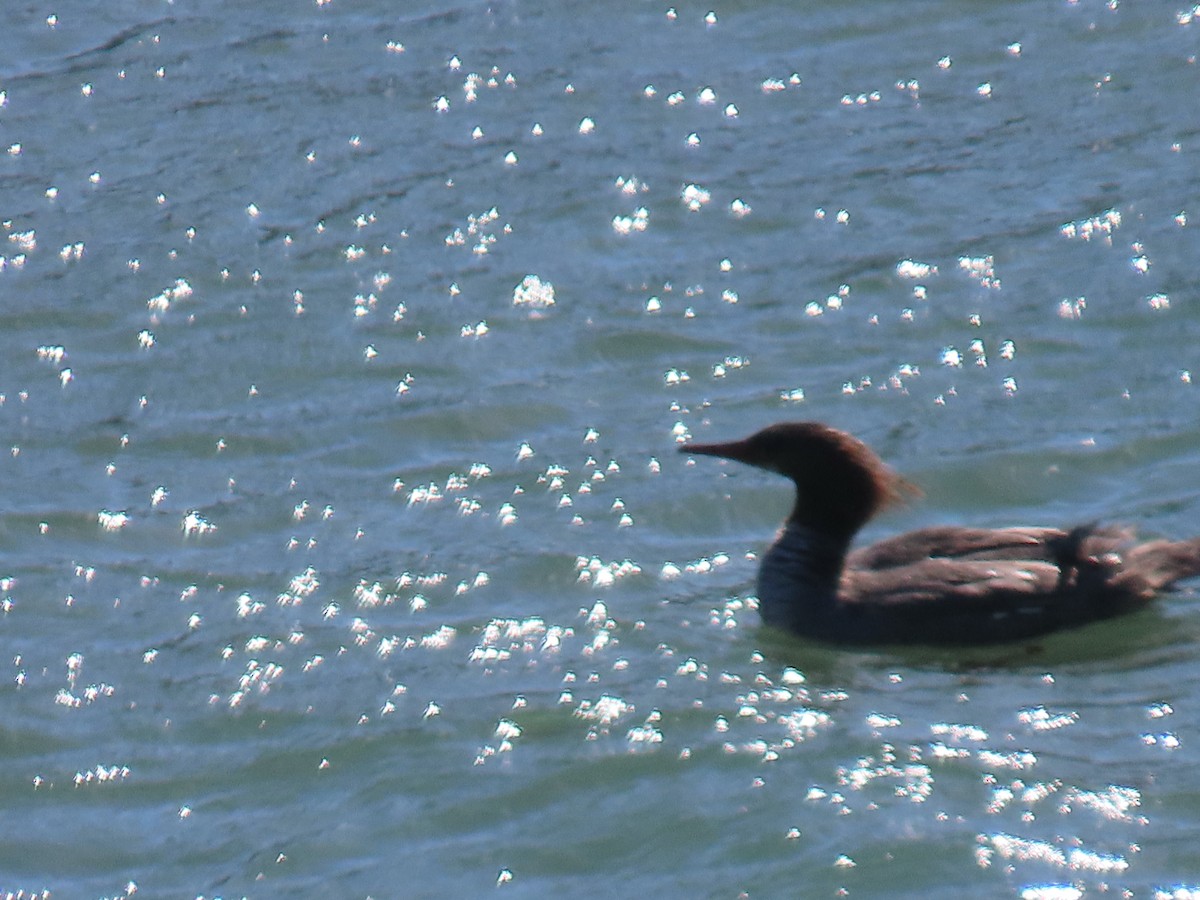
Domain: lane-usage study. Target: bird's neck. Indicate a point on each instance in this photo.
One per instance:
(799, 574)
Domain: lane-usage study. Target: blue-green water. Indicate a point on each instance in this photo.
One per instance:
(335, 560)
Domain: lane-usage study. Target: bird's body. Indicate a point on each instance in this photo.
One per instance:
(947, 584)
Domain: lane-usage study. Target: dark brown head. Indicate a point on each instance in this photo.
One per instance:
(840, 482)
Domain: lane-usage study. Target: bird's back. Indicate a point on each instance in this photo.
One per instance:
(972, 585)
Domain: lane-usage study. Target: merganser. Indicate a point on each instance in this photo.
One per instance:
(941, 585)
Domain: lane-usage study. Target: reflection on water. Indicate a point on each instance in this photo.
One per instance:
(345, 354)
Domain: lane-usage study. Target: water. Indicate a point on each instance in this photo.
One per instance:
(330, 570)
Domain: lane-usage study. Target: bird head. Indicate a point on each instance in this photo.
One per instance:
(840, 482)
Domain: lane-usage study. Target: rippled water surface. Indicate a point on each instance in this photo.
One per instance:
(345, 348)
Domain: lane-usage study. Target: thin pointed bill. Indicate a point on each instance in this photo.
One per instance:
(737, 450)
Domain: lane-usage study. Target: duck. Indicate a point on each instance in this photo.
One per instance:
(945, 584)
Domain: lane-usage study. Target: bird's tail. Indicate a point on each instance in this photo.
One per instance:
(1162, 563)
